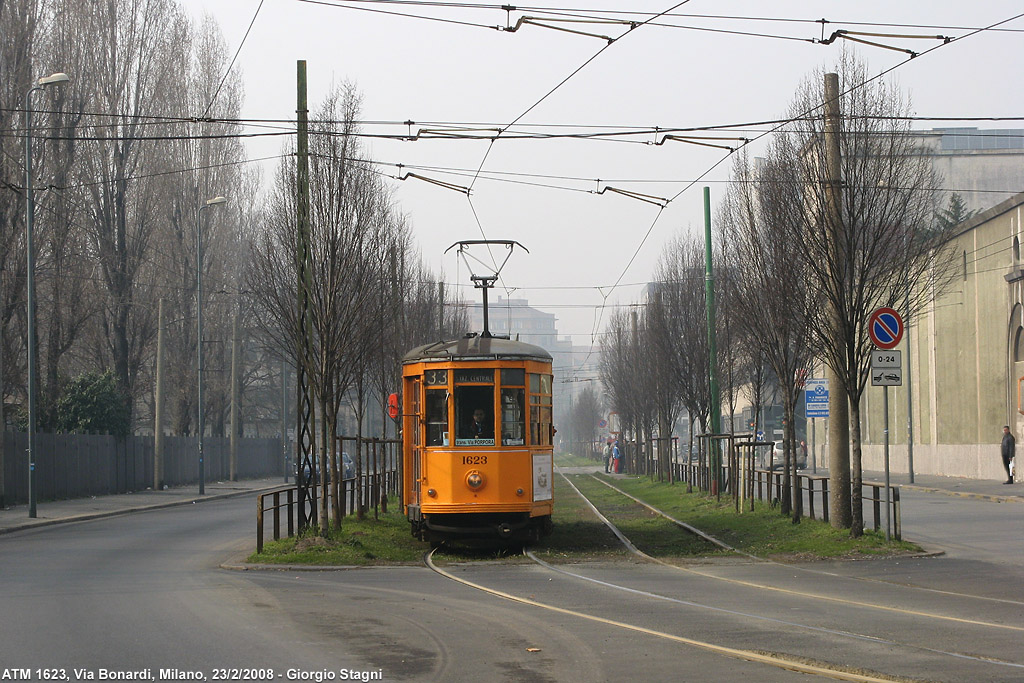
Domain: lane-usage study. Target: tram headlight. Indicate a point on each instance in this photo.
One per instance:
(432, 493)
(475, 481)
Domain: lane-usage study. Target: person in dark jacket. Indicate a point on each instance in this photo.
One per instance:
(1008, 449)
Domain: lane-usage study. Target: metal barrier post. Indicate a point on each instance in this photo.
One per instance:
(897, 522)
(291, 512)
(876, 500)
(259, 523)
(277, 515)
(824, 499)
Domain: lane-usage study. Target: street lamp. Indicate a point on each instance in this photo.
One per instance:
(199, 318)
(30, 286)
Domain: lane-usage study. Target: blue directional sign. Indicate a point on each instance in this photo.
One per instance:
(816, 398)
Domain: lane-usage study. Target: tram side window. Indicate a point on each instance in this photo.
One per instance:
(437, 417)
(513, 417)
(540, 410)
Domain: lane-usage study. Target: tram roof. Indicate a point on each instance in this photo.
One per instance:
(476, 347)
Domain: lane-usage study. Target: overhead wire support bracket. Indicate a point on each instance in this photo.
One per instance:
(702, 141)
(434, 181)
(539, 21)
(661, 202)
(852, 36)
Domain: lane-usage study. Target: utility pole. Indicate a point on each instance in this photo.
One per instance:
(709, 298)
(305, 439)
(910, 403)
(634, 461)
(158, 419)
(3, 419)
(838, 403)
(284, 418)
(235, 397)
(440, 311)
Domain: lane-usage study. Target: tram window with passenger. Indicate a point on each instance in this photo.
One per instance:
(540, 410)
(474, 407)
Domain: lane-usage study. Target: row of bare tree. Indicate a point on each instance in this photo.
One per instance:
(810, 240)
(124, 156)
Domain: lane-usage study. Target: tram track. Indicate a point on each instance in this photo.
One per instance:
(809, 570)
(781, 661)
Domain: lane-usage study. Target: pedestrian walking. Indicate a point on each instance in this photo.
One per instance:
(1008, 450)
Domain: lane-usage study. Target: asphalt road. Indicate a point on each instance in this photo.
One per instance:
(145, 591)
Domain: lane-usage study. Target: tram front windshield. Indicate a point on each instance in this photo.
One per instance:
(474, 407)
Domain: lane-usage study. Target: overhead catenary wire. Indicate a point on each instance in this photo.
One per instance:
(224, 78)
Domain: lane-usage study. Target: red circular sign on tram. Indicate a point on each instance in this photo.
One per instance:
(885, 328)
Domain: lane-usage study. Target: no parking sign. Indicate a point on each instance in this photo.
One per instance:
(885, 327)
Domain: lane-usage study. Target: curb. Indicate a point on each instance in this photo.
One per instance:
(964, 494)
(85, 517)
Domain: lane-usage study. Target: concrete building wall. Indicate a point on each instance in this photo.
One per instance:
(966, 356)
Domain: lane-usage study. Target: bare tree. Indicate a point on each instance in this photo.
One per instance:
(771, 301)
(19, 20)
(680, 279)
(586, 411)
(874, 249)
(349, 219)
(133, 67)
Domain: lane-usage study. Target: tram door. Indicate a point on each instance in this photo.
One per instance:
(416, 434)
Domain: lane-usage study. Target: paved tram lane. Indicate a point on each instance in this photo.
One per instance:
(144, 591)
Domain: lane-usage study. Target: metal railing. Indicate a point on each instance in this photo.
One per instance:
(379, 466)
(746, 483)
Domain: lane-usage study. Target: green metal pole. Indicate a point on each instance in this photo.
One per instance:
(305, 434)
(709, 296)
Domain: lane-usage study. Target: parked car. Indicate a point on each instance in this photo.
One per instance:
(779, 457)
(348, 468)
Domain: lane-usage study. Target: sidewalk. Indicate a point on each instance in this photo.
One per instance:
(58, 511)
(983, 489)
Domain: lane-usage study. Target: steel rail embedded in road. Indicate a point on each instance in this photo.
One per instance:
(783, 662)
(736, 653)
(830, 598)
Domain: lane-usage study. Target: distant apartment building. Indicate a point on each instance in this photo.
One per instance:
(984, 166)
(573, 366)
(517, 319)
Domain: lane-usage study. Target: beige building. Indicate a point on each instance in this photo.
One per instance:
(965, 357)
(984, 166)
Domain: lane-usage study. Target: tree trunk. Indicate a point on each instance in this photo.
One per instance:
(838, 454)
(856, 501)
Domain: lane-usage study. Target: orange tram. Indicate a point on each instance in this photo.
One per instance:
(478, 439)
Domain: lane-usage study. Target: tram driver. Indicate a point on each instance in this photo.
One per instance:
(480, 427)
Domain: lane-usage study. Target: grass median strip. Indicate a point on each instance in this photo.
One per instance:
(763, 532)
(579, 536)
(358, 543)
(650, 532)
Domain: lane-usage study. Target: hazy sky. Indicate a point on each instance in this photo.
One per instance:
(433, 71)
